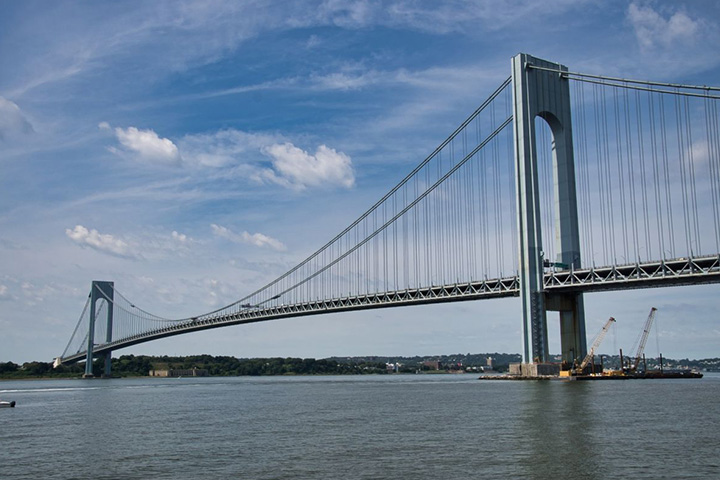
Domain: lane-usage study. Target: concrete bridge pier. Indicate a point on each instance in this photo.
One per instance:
(545, 94)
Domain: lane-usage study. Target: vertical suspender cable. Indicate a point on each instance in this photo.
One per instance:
(621, 172)
(693, 189)
(656, 176)
(666, 171)
(643, 175)
(713, 147)
(584, 167)
(601, 173)
(608, 181)
(683, 175)
(631, 174)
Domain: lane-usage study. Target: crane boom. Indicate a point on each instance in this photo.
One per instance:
(644, 336)
(596, 344)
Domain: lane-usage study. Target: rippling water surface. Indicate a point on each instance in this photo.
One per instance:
(360, 427)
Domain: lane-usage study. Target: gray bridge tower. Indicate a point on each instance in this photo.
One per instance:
(546, 94)
(99, 290)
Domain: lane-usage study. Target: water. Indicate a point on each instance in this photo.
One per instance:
(360, 427)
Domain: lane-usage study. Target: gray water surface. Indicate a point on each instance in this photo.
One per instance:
(360, 427)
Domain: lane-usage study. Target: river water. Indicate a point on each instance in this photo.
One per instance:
(360, 427)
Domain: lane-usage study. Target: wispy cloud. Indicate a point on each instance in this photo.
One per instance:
(445, 18)
(257, 239)
(665, 36)
(653, 30)
(223, 148)
(12, 121)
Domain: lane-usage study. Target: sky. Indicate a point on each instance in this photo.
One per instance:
(193, 151)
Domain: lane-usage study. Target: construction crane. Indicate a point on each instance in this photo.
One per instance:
(642, 340)
(591, 353)
(596, 344)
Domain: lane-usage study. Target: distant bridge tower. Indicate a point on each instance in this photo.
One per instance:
(99, 290)
(546, 94)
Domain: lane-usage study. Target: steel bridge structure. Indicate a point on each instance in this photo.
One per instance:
(554, 167)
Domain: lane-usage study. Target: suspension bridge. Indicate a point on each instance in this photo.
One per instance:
(553, 167)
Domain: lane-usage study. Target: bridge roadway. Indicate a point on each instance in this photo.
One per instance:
(662, 273)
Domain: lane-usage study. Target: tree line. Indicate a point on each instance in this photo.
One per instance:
(140, 365)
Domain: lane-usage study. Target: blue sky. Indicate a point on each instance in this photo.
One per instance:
(192, 151)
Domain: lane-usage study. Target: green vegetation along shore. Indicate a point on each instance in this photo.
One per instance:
(141, 365)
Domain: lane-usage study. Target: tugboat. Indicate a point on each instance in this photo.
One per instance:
(3, 404)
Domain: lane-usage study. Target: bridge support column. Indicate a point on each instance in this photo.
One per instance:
(99, 290)
(545, 94)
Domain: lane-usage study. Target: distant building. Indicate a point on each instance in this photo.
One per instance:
(193, 372)
(489, 365)
(393, 367)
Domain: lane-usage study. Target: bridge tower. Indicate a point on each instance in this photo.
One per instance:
(545, 94)
(99, 290)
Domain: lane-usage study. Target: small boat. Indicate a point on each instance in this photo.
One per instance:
(3, 403)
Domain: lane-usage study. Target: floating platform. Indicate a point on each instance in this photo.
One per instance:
(627, 376)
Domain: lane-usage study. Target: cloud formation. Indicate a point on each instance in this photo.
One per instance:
(653, 30)
(297, 168)
(230, 149)
(105, 243)
(12, 121)
(257, 239)
(146, 145)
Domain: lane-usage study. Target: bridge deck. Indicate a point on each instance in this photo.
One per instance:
(664, 273)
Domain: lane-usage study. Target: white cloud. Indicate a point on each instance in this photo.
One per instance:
(260, 240)
(295, 167)
(149, 246)
(146, 145)
(241, 153)
(101, 242)
(257, 239)
(12, 121)
(180, 237)
(653, 30)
